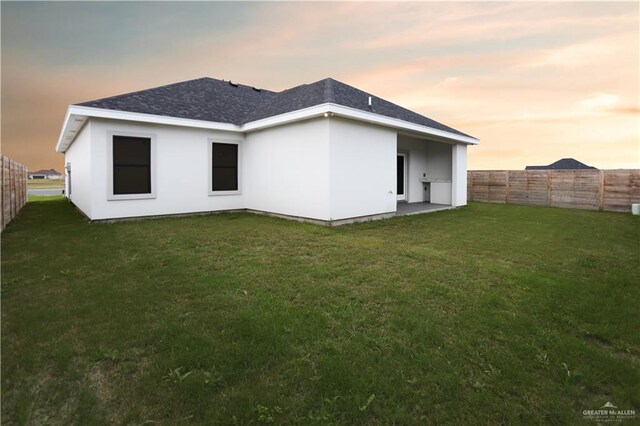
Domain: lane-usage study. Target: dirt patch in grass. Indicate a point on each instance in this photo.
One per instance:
(102, 379)
(628, 354)
(37, 402)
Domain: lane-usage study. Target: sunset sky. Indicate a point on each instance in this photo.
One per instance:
(534, 81)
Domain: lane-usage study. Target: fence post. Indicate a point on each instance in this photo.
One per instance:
(2, 191)
(22, 183)
(9, 182)
(506, 188)
(601, 191)
(6, 187)
(548, 187)
(12, 187)
(18, 187)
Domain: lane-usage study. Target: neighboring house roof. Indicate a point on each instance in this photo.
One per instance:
(49, 172)
(563, 164)
(225, 102)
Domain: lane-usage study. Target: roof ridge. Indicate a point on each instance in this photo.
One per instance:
(165, 86)
(145, 90)
(242, 85)
(329, 94)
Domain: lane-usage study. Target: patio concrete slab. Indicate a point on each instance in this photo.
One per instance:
(405, 209)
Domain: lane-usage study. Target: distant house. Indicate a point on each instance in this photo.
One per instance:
(45, 174)
(324, 151)
(564, 164)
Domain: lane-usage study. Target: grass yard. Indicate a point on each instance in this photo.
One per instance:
(481, 315)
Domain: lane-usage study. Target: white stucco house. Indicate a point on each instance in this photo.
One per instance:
(325, 152)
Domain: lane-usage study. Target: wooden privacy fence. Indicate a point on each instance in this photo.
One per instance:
(613, 190)
(13, 191)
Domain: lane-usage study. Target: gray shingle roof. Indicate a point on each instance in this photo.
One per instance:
(563, 164)
(47, 172)
(223, 102)
(201, 99)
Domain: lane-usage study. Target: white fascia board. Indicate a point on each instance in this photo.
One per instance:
(287, 117)
(370, 117)
(151, 118)
(64, 129)
(85, 112)
(355, 114)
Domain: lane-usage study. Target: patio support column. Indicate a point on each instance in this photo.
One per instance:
(458, 175)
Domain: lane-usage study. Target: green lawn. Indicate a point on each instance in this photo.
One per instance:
(486, 314)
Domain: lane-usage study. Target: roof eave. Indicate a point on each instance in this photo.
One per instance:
(356, 114)
(80, 114)
(396, 123)
(63, 130)
(77, 116)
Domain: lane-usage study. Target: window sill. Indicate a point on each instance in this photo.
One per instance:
(216, 193)
(112, 197)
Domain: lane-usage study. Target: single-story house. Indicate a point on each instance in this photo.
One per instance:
(45, 174)
(325, 152)
(562, 164)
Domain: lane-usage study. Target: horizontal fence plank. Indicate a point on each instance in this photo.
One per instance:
(612, 190)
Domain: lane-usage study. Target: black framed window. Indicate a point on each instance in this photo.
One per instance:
(400, 178)
(131, 165)
(224, 161)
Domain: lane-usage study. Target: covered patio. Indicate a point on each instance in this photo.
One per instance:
(431, 175)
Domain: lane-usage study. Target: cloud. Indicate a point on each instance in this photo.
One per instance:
(599, 101)
(490, 24)
(596, 106)
(581, 54)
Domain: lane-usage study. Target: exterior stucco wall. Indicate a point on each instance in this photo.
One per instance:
(362, 169)
(327, 169)
(286, 169)
(417, 165)
(79, 155)
(439, 171)
(459, 166)
(181, 166)
(439, 161)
